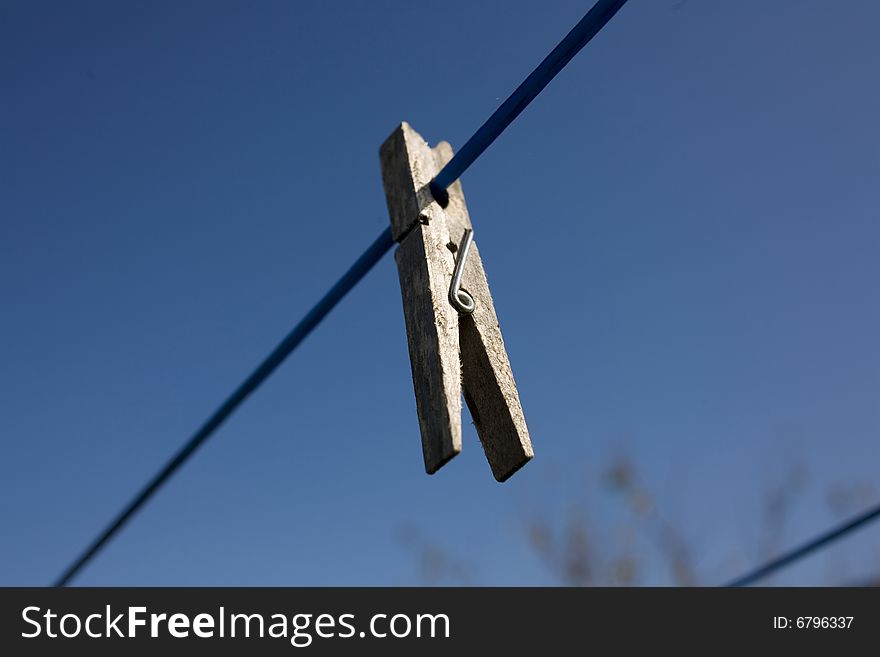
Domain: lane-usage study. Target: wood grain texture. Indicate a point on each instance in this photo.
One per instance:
(489, 388)
(408, 165)
(487, 378)
(424, 266)
(449, 354)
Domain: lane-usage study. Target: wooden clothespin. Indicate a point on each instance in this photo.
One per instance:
(454, 338)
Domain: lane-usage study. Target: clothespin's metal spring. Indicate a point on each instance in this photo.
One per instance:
(461, 300)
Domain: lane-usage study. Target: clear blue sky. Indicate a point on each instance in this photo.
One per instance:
(681, 234)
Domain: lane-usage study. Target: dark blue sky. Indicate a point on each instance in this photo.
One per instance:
(681, 236)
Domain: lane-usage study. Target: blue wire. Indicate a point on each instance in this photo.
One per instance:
(800, 552)
(290, 342)
(571, 45)
(579, 36)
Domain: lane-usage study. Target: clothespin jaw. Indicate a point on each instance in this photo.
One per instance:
(451, 353)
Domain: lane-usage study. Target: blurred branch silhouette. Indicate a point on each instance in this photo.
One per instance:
(640, 544)
(575, 556)
(435, 564)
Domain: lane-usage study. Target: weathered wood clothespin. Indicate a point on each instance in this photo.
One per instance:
(453, 348)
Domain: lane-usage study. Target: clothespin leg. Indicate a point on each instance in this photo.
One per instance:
(432, 329)
(489, 388)
(424, 265)
(488, 384)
